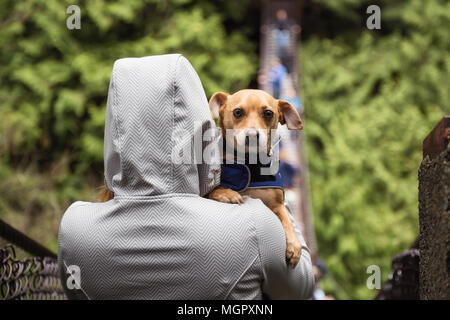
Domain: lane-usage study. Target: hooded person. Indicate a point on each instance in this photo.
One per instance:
(159, 238)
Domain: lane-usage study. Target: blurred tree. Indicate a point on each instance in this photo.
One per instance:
(54, 82)
(371, 97)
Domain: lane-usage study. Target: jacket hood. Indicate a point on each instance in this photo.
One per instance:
(156, 110)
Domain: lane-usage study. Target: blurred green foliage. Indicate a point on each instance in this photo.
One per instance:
(371, 97)
(54, 81)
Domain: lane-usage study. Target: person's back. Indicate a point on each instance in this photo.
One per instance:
(158, 238)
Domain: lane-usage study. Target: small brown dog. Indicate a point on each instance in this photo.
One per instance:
(255, 113)
(252, 113)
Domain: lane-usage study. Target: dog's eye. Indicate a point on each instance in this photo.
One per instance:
(238, 113)
(267, 114)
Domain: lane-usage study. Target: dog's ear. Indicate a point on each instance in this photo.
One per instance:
(217, 100)
(289, 116)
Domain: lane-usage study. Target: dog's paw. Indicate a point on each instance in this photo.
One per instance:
(226, 195)
(293, 251)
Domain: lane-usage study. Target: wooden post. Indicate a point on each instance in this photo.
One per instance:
(434, 213)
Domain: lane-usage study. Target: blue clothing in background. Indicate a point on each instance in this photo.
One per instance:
(282, 39)
(296, 103)
(277, 74)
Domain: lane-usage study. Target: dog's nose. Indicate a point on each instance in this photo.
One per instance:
(252, 133)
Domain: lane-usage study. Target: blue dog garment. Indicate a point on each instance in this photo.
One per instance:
(239, 177)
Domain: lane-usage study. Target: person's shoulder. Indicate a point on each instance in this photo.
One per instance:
(76, 207)
(265, 220)
(76, 213)
(252, 211)
(78, 204)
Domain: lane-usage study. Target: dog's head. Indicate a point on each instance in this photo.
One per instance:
(248, 116)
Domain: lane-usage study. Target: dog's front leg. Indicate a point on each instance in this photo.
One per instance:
(293, 244)
(226, 195)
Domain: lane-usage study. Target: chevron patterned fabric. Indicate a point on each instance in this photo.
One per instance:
(158, 238)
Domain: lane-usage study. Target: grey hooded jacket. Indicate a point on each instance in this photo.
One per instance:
(159, 238)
